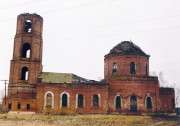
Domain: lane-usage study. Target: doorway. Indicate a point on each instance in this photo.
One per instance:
(133, 104)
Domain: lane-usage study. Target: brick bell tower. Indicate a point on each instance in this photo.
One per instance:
(26, 64)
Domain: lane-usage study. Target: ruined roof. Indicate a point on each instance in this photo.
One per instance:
(166, 90)
(127, 48)
(30, 14)
(52, 77)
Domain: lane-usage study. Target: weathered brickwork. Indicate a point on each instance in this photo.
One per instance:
(167, 100)
(127, 86)
(123, 63)
(73, 90)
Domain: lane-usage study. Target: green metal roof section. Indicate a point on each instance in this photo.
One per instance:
(58, 78)
(51, 77)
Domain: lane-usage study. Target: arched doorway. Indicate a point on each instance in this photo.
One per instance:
(133, 104)
(148, 103)
(118, 102)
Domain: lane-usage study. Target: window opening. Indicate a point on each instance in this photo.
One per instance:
(28, 106)
(146, 69)
(95, 101)
(9, 106)
(132, 68)
(28, 25)
(114, 70)
(19, 106)
(133, 104)
(148, 103)
(24, 73)
(64, 100)
(26, 50)
(173, 103)
(118, 102)
(80, 100)
(48, 100)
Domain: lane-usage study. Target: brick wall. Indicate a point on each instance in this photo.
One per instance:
(167, 99)
(88, 90)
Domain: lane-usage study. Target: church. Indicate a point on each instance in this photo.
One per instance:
(126, 88)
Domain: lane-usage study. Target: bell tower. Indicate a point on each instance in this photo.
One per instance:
(26, 64)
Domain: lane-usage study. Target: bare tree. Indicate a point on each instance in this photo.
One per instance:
(162, 81)
(153, 73)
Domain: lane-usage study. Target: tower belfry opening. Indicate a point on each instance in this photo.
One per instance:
(28, 25)
(26, 50)
(24, 73)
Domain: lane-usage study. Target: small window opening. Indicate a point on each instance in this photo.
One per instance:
(148, 103)
(18, 106)
(146, 69)
(64, 100)
(48, 100)
(9, 106)
(118, 102)
(173, 103)
(114, 69)
(80, 100)
(28, 106)
(24, 73)
(95, 101)
(132, 68)
(28, 25)
(26, 50)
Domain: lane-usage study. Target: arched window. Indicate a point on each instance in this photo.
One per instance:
(64, 100)
(26, 50)
(114, 69)
(49, 100)
(24, 73)
(118, 102)
(173, 103)
(132, 68)
(28, 26)
(18, 106)
(80, 101)
(148, 103)
(95, 101)
(133, 104)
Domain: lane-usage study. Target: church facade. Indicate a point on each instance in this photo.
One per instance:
(127, 86)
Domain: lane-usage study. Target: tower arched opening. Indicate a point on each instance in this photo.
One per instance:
(24, 73)
(26, 50)
(28, 26)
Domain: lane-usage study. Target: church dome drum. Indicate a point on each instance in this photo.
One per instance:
(126, 58)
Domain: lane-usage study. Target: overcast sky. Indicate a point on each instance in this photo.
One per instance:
(78, 33)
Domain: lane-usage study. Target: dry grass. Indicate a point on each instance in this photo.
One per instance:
(87, 120)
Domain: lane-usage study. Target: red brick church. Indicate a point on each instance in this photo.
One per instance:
(127, 86)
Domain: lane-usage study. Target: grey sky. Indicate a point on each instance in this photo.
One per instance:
(78, 33)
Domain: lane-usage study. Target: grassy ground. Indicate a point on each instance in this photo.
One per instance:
(87, 120)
